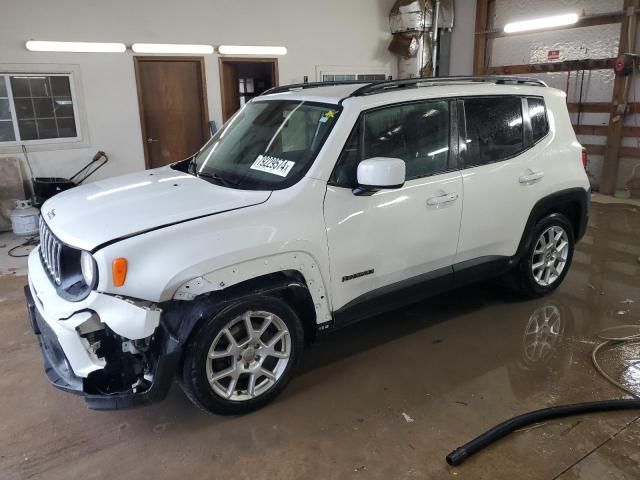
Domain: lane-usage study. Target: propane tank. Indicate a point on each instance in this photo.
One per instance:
(24, 219)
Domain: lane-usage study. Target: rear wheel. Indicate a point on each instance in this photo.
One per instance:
(243, 357)
(547, 259)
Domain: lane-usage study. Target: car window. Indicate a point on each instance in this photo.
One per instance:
(494, 129)
(538, 116)
(417, 133)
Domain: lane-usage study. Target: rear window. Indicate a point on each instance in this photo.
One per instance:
(538, 116)
(494, 129)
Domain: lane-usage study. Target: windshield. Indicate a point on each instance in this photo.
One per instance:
(268, 145)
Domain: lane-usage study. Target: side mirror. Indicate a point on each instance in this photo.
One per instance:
(380, 172)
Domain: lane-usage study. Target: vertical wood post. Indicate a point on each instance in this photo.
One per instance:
(480, 40)
(628, 33)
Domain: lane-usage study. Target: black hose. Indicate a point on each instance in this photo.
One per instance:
(30, 242)
(460, 454)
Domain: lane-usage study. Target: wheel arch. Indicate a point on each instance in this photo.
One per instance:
(182, 318)
(573, 203)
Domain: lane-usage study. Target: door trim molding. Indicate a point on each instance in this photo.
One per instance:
(415, 289)
(137, 59)
(223, 59)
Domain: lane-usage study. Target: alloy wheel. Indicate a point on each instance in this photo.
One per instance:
(248, 356)
(550, 255)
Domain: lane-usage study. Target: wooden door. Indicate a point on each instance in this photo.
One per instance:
(173, 107)
(230, 95)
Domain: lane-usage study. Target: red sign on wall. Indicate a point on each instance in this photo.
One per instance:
(553, 54)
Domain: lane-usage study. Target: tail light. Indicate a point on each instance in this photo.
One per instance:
(584, 158)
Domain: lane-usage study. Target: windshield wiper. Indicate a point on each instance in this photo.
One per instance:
(218, 179)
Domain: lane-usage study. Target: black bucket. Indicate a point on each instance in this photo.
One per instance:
(46, 187)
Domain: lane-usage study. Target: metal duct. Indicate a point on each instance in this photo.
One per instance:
(417, 15)
(411, 22)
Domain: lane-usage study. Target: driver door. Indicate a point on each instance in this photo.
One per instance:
(395, 239)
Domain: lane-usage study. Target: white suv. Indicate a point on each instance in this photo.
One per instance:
(314, 206)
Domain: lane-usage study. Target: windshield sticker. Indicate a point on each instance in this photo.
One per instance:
(328, 116)
(274, 165)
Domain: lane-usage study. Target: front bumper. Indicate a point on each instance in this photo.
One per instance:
(71, 365)
(61, 375)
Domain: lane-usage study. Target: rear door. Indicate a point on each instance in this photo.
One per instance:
(395, 238)
(503, 172)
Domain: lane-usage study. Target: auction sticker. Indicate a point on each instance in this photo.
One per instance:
(274, 165)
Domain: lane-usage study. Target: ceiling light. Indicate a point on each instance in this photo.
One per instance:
(171, 48)
(541, 23)
(75, 47)
(251, 50)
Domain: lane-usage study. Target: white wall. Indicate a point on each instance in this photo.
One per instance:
(328, 32)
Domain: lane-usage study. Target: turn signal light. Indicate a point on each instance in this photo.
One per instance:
(119, 269)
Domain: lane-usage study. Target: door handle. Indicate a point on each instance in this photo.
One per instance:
(441, 199)
(152, 140)
(531, 177)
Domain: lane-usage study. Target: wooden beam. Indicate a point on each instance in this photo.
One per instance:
(480, 41)
(586, 21)
(602, 150)
(565, 66)
(603, 129)
(589, 107)
(590, 129)
(628, 33)
(594, 149)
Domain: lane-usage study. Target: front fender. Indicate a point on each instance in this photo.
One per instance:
(226, 277)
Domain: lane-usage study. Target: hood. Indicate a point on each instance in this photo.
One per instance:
(90, 215)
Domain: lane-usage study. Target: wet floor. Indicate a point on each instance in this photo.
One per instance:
(384, 399)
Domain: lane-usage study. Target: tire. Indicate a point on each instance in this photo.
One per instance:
(529, 279)
(246, 372)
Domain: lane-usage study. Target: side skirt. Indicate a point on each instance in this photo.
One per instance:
(415, 289)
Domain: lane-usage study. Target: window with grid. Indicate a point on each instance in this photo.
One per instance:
(36, 107)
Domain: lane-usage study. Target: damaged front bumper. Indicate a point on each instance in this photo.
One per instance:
(87, 355)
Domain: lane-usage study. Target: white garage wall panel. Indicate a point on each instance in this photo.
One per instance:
(331, 32)
(513, 10)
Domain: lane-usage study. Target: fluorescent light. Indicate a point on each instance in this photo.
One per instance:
(251, 50)
(171, 48)
(75, 47)
(541, 23)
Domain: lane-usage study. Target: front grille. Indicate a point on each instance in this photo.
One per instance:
(50, 252)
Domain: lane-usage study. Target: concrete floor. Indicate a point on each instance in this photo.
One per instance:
(388, 398)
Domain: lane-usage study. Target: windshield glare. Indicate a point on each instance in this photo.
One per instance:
(268, 145)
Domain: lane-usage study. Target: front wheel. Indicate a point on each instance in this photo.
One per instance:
(243, 356)
(547, 259)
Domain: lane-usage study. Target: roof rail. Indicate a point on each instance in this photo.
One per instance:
(382, 86)
(302, 86)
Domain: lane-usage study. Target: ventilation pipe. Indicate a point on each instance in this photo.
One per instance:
(434, 38)
(415, 40)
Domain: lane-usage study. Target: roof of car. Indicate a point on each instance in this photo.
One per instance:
(335, 92)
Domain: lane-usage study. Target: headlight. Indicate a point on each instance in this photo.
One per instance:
(88, 267)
